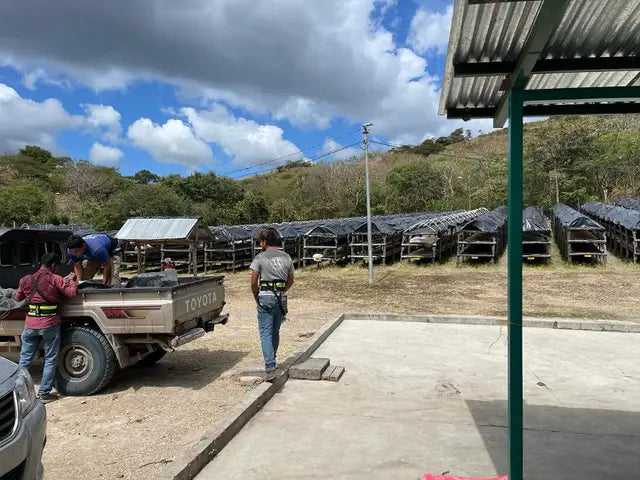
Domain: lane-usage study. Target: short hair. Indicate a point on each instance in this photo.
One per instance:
(75, 241)
(269, 235)
(49, 259)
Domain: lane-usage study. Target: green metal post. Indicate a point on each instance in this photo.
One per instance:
(514, 285)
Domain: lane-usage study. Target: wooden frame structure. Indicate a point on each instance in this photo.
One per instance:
(622, 228)
(483, 238)
(433, 239)
(182, 235)
(578, 237)
(536, 236)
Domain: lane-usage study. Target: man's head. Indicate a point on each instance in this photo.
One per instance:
(76, 245)
(268, 237)
(50, 261)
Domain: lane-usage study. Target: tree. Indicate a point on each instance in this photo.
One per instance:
(252, 209)
(23, 204)
(413, 187)
(145, 177)
(93, 183)
(40, 154)
(140, 201)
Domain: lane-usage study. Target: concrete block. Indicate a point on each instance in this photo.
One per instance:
(328, 371)
(311, 369)
(253, 371)
(333, 373)
(248, 380)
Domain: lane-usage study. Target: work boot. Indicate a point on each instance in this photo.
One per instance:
(48, 397)
(271, 374)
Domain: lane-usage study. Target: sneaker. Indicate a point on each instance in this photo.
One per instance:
(271, 374)
(48, 397)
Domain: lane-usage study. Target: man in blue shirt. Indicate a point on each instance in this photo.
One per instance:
(90, 252)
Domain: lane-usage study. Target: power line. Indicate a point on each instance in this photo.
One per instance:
(249, 167)
(312, 159)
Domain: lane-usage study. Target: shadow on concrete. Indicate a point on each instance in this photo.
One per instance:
(563, 443)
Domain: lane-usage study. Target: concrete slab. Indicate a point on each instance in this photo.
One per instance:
(333, 373)
(311, 369)
(420, 397)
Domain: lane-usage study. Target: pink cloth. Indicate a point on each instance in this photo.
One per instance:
(429, 476)
(53, 287)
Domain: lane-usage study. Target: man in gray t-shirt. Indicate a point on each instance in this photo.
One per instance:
(271, 278)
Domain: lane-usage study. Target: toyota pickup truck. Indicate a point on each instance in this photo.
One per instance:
(109, 328)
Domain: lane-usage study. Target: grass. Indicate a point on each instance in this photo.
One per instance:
(559, 289)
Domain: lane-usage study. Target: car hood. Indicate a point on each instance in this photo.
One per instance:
(7, 369)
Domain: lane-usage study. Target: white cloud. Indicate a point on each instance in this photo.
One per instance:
(24, 121)
(174, 142)
(104, 155)
(105, 119)
(310, 63)
(37, 75)
(245, 141)
(302, 112)
(429, 31)
(330, 145)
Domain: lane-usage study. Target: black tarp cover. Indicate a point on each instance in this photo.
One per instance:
(629, 219)
(571, 218)
(628, 202)
(490, 222)
(534, 221)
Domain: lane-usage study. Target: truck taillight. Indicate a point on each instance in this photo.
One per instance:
(111, 312)
(114, 312)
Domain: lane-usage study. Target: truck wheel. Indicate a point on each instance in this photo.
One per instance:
(152, 358)
(86, 363)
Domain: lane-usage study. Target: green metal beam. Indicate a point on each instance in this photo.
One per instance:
(548, 65)
(589, 94)
(549, 17)
(550, 109)
(514, 284)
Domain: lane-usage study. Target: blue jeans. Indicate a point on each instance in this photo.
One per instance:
(30, 344)
(270, 319)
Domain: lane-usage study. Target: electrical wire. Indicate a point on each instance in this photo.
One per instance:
(267, 162)
(312, 159)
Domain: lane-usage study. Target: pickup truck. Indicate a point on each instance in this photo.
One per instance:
(111, 328)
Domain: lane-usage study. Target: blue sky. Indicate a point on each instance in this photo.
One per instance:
(219, 85)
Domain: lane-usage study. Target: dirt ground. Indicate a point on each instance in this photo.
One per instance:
(148, 415)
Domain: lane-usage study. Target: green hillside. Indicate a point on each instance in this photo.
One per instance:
(571, 160)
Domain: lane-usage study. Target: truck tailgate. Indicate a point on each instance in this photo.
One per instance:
(200, 298)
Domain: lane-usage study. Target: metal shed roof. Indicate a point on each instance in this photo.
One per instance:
(542, 44)
(162, 230)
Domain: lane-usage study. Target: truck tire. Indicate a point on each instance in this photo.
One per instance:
(86, 363)
(152, 358)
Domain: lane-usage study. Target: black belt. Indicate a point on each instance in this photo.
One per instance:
(43, 310)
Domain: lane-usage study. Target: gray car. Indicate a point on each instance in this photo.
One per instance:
(23, 425)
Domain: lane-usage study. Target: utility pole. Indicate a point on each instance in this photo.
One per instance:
(365, 133)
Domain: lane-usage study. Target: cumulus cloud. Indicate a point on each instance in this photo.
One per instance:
(174, 142)
(310, 63)
(24, 121)
(302, 112)
(429, 31)
(105, 119)
(245, 141)
(104, 155)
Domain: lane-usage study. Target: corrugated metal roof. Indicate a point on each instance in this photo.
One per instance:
(496, 32)
(161, 229)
